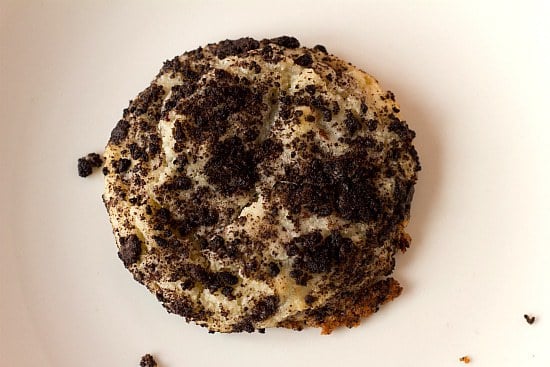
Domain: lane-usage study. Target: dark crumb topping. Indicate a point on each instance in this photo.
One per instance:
(221, 99)
(372, 124)
(274, 269)
(304, 60)
(154, 144)
(147, 361)
(120, 132)
(223, 281)
(88, 163)
(264, 309)
(196, 215)
(148, 102)
(236, 47)
(309, 299)
(232, 168)
(334, 185)
(352, 123)
(268, 149)
(178, 183)
(137, 153)
(286, 41)
(130, 249)
(401, 129)
(310, 89)
(320, 48)
(218, 245)
(121, 165)
(314, 254)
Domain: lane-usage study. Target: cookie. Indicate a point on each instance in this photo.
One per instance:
(258, 184)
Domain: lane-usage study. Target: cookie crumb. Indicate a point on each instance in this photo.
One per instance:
(305, 60)
(530, 319)
(147, 361)
(465, 359)
(320, 48)
(87, 164)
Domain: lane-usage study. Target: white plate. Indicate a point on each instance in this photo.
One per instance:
(472, 81)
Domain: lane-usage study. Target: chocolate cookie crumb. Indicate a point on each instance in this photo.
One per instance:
(236, 47)
(147, 361)
(94, 159)
(320, 48)
(232, 168)
(530, 319)
(120, 132)
(84, 167)
(122, 165)
(87, 164)
(305, 60)
(130, 249)
(274, 269)
(286, 41)
(309, 299)
(352, 123)
(310, 89)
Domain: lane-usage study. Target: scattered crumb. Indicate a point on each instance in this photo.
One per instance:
(465, 359)
(530, 319)
(147, 361)
(88, 163)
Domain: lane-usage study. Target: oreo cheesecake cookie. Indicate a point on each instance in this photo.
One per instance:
(258, 184)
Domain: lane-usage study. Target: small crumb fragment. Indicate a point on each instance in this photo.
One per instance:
(147, 361)
(94, 159)
(530, 319)
(320, 48)
(87, 164)
(84, 167)
(465, 359)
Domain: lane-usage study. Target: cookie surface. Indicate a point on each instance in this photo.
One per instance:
(259, 184)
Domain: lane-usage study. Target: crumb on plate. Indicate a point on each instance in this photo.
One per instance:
(530, 319)
(465, 359)
(87, 164)
(147, 361)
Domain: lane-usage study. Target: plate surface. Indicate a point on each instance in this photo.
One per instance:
(472, 81)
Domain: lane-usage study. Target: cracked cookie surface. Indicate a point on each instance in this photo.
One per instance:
(259, 184)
